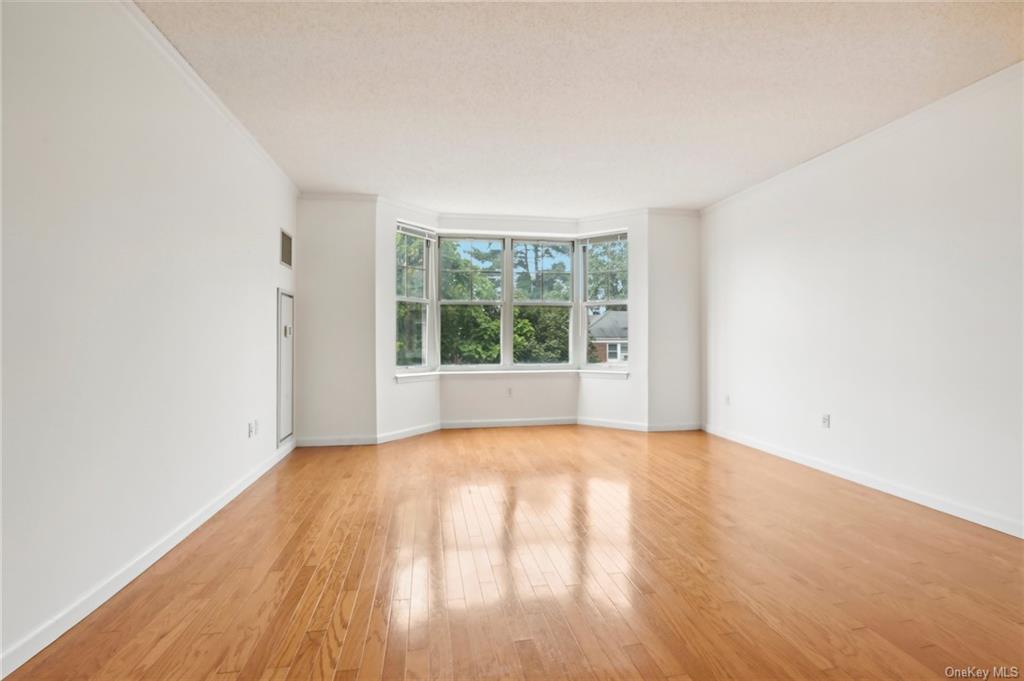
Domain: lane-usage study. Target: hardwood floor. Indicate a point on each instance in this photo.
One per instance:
(563, 553)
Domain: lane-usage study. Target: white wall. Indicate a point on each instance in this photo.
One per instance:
(403, 409)
(881, 283)
(469, 401)
(335, 379)
(140, 268)
(674, 333)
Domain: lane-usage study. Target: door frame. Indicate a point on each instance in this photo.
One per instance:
(281, 294)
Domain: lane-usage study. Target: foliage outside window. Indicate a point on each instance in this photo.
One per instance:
(412, 299)
(504, 301)
(606, 309)
(542, 295)
(471, 278)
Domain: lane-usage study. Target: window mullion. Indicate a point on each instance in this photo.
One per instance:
(506, 307)
(580, 298)
(433, 306)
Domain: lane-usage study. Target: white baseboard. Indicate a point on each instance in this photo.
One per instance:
(335, 440)
(609, 423)
(669, 427)
(638, 426)
(20, 652)
(350, 440)
(1011, 526)
(507, 423)
(407, 432)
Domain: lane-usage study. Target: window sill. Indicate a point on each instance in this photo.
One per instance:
(606, 374)
(413, 377)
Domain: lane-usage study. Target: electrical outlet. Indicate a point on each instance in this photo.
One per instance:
(826, 421)
(508, 391)
(250, 429)
(728, 400)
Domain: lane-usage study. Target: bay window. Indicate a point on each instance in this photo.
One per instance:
(508, 302)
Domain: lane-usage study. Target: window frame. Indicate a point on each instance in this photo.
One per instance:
(500, 303)
(429, 324)
(578, 303)
(570, 304)
(586, 303)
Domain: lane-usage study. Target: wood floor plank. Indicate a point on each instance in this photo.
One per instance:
(560, 553)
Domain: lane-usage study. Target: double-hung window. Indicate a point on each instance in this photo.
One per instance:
(606, 299)
(472, 285)
(508, 302)
(412, 296)
(542, 301)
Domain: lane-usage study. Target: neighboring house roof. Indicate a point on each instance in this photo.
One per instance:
(611, 326)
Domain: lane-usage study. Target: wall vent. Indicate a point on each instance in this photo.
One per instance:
(286, 249)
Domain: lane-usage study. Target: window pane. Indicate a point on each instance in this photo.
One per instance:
(527, 286)
(541, 270)
(607, 325)
(557, 286)
(415, 283)
(470, 334)
(608, 270)
(409, 250)
(471, 254)
(471, 269)
(400, 281)
(471, 286)
(411, 322)
(487, 286)
(456, 285)
(541, 334)
(415, 252)
(558, 257)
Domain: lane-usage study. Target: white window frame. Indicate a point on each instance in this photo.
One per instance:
(513, 303)
(429, 325)
(579, 303)
(586, 303)
(501, 304)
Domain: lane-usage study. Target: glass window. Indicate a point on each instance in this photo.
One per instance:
(412, 324)
(542, 301)
(412, 299)
(472, 286)
(608, 269)
(470, 334)
(606, 308)
(471, 269)
(542, 270)
(540, 334)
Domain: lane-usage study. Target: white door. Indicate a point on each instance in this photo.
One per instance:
(285, 364)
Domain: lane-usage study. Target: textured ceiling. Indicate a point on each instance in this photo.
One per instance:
(574, 109)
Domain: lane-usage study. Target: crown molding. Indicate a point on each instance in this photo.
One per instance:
(679, 212)
(169, 52)
(632, 212)
(338, 196)
(402, 205)
(506, 218)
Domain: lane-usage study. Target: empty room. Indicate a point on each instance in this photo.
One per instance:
(346, 341)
